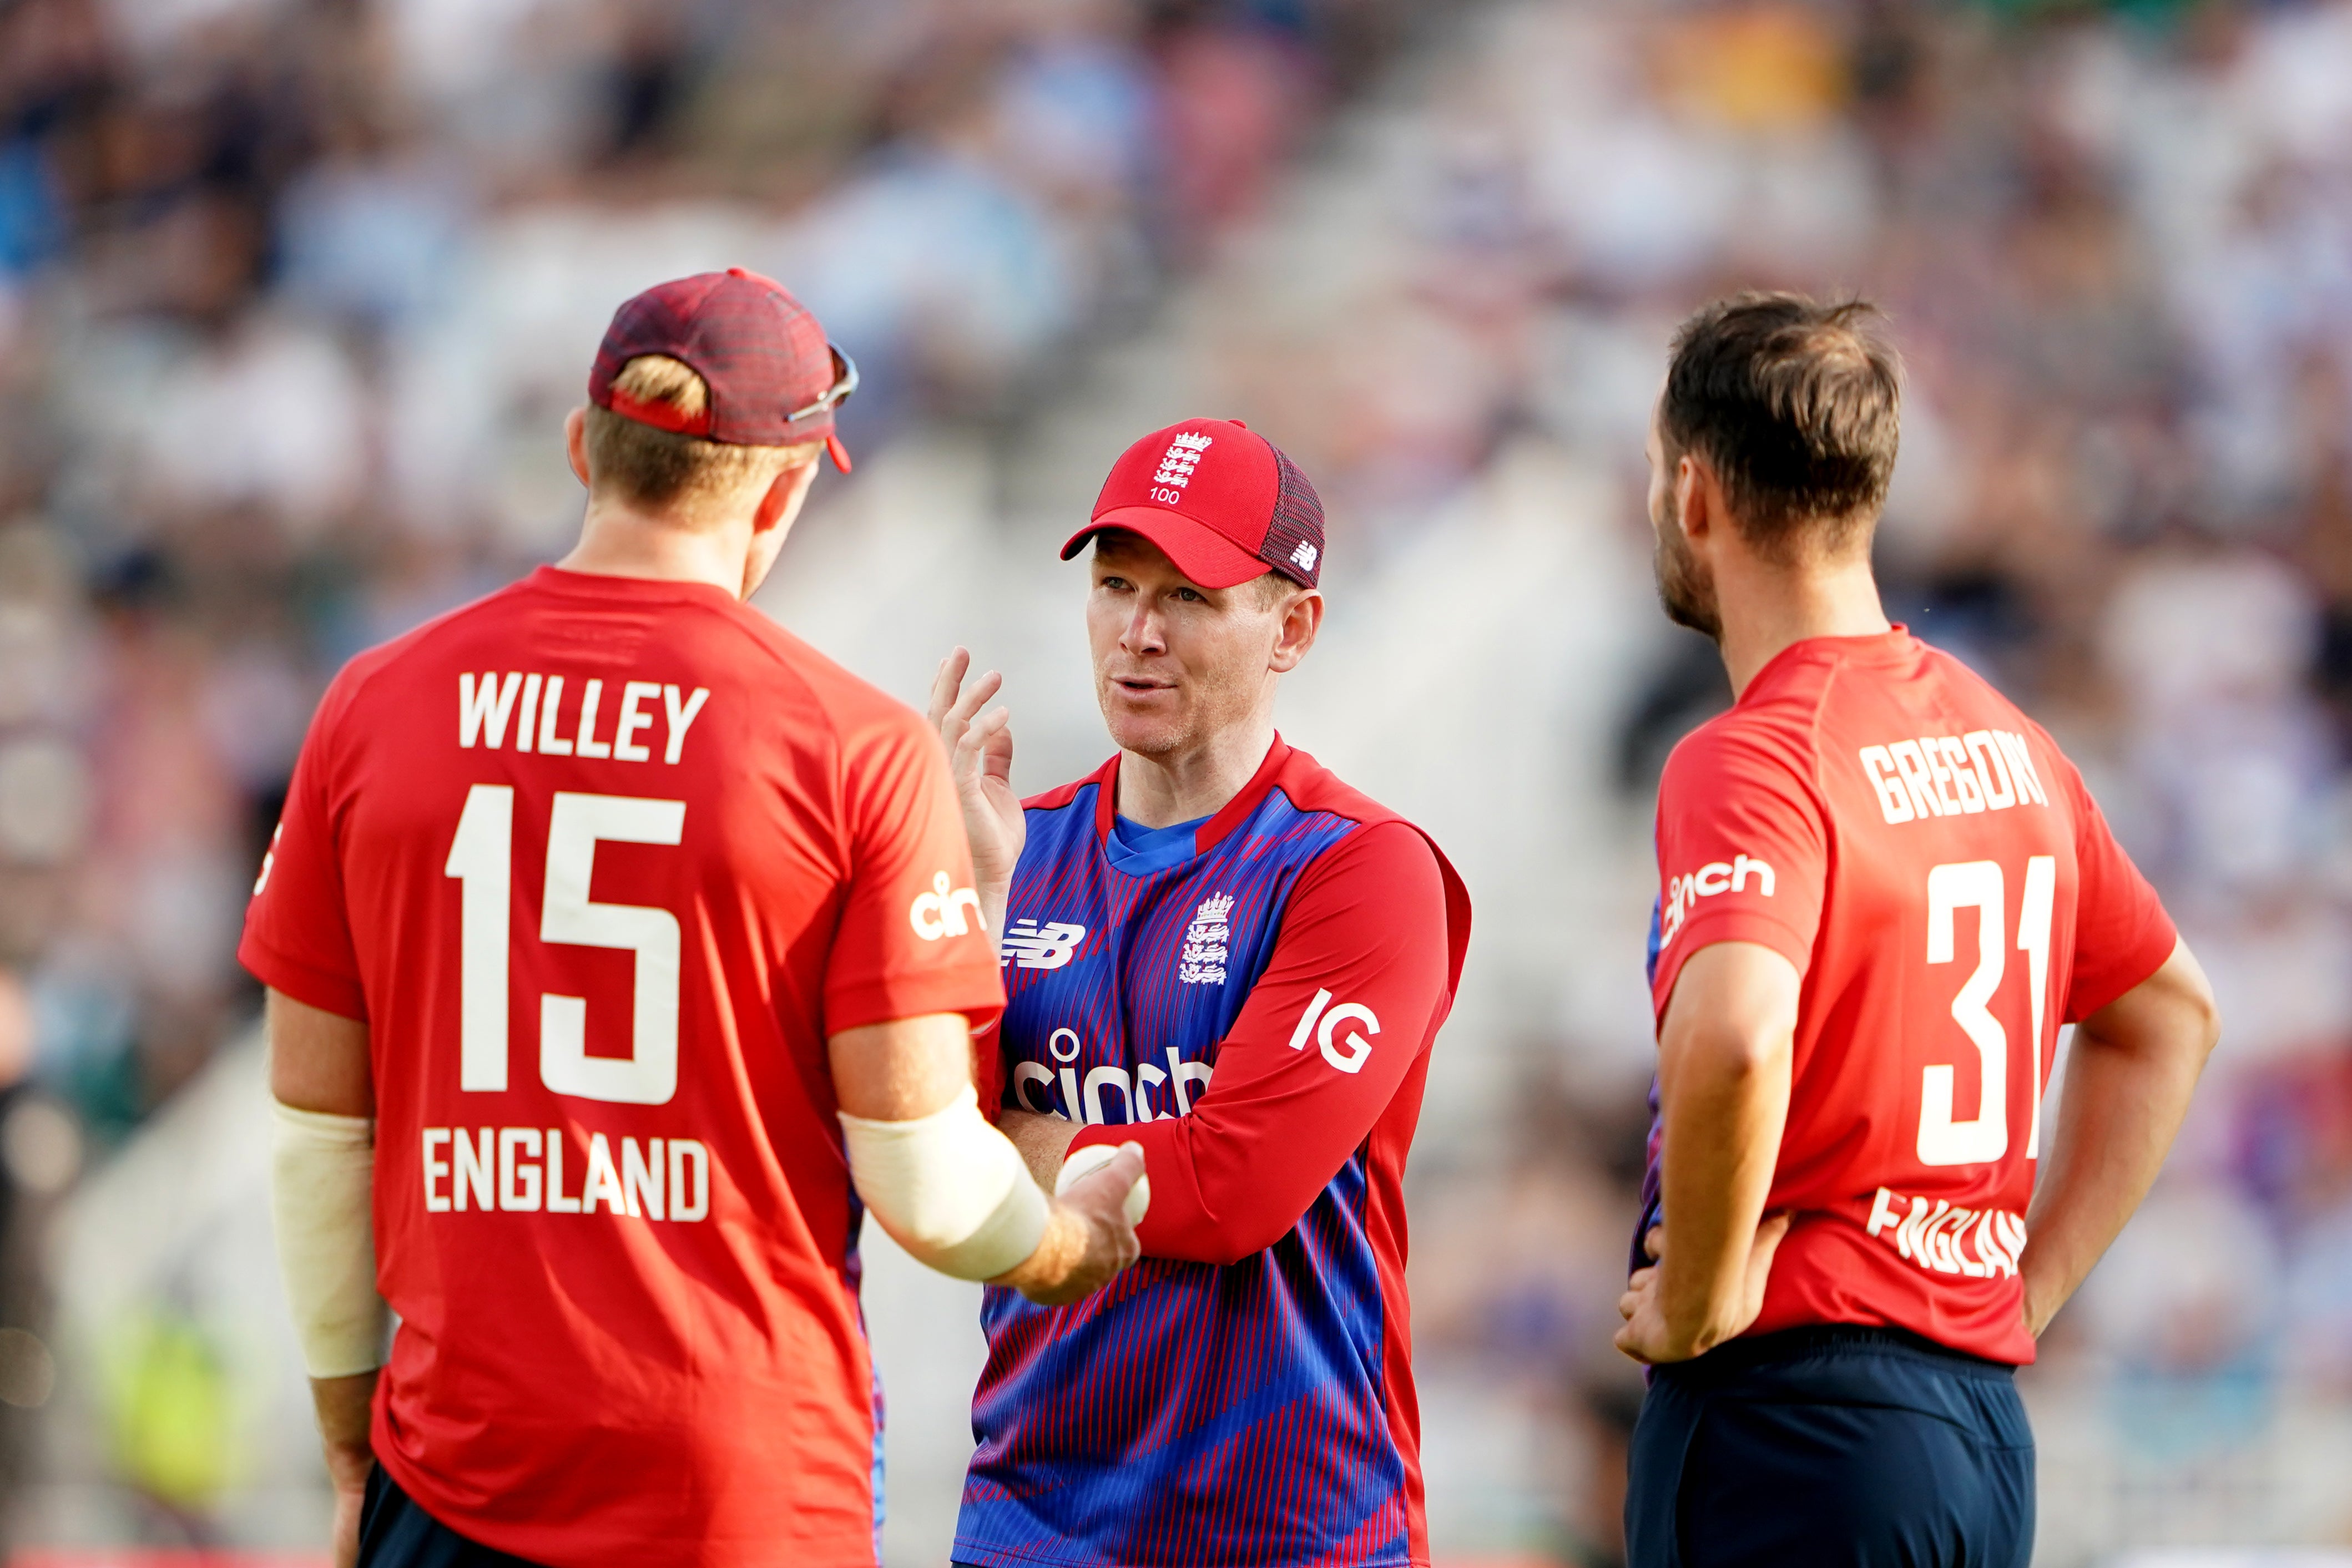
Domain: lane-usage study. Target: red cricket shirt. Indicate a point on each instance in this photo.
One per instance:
(1941, 879)
(603, 861)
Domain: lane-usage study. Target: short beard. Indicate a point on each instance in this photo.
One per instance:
(1686, 587)
(1160, 742)
(1163, 739)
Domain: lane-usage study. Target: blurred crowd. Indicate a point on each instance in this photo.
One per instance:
(294, 293)
(2117, 247)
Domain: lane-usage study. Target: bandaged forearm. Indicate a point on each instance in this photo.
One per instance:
(948, 1188)
(321, 1181)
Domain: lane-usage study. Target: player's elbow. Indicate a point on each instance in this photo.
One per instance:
(1733, 1017)
(2201, 1017)
(1226, 1233)
(1224, 1248)
(2171, 1017)
(1249, 1239)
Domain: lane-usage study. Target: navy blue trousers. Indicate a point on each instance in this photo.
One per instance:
(1835, 1448)
(396, 1533)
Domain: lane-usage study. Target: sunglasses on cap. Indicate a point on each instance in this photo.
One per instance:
(844, 381)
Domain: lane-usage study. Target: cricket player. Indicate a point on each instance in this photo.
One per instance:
(1217, 951)
(612, 937)
(1883, 890)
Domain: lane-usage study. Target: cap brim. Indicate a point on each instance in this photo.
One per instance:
(1198, 550)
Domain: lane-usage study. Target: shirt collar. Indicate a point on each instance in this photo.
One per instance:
(1230, 816)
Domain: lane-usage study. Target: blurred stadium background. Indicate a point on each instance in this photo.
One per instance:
(294, 294)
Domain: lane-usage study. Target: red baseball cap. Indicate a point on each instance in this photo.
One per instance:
(775, 379)
(1220, 499)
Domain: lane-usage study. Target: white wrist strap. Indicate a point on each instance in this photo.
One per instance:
(321, 1184)
(948, 1188)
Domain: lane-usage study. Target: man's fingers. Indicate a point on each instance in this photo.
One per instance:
(989, 731)
(1118, 1174)
(1629, 1344)
(1626, 1304)
(971, 701)
(1116, 1196)
(944, 684)
(997, 746)
(1655, 1243)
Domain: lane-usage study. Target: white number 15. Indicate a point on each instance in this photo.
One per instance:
(481, 859)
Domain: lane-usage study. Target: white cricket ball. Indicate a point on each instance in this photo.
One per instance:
(1083, 1163)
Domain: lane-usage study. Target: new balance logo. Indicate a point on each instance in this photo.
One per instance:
(1183, 455)
(1029, 946)
(1202, 962)
(1305, 556)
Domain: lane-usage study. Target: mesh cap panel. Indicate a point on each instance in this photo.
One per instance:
(1294, 536)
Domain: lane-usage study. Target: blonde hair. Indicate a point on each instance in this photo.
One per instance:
(651, 467)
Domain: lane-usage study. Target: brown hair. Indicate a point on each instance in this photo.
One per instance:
(1798, 406)
(650, 467)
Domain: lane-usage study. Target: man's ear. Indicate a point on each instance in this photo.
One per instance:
(1697, 498)
(1301, 620)
(782, 499)
(575, 442)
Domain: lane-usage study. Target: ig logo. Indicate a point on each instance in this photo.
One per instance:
(1350, 1053)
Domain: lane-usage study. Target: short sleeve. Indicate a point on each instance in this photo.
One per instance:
(298, 928)
(1742, 850)
(911, 939)
(2122, 935)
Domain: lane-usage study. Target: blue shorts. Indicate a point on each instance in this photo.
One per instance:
(396, 1533)
(1836, 1448)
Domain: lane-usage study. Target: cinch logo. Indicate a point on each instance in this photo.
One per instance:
(1183, 456)
(1202, 962)
(1083, 1101)
(1945, 1238)
(939, 912)
(1348, 1055)
(1716, 876)
(268, 859)
(1948, 776)
(1029, 946)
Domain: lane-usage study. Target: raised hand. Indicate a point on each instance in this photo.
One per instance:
(980, 756)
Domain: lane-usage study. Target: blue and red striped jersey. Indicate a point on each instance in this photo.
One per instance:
(1257, 1015)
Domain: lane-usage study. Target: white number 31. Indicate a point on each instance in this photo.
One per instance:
(481, 859)
(1976, 884)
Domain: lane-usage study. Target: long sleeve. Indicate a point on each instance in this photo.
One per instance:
(1354, 991)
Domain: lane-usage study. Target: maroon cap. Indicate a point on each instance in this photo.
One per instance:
(1220, 499)
(763, 355)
